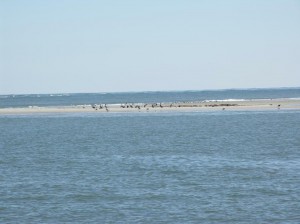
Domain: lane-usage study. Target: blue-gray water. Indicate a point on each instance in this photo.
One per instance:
(205, 167)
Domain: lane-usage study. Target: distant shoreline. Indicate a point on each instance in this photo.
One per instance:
(214, 105)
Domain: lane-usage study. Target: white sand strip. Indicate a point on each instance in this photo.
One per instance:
(274, 104)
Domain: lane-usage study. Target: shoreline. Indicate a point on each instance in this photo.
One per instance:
(232, 105)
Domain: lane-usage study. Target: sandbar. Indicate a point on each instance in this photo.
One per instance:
(232, 105)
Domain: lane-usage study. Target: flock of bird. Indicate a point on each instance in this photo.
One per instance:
(132, 105)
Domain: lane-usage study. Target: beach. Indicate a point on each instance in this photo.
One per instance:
(212, 105)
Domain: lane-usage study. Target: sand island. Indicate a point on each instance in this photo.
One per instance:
(214, 105)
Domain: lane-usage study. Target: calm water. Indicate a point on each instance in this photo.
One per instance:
(205, 167)
(143, 97)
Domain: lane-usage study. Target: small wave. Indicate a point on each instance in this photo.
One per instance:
(230, 100)
(226, 100)
(103, 93)
(252, 99)
(294, 98)
(58, 95)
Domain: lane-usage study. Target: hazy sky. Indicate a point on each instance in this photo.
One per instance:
(138, 45)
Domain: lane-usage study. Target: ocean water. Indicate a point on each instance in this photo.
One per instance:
(204, 167)
(193, 167)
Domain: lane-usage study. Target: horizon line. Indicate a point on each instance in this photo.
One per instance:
(153, 91)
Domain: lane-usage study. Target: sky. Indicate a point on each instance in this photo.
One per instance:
(72, 46)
